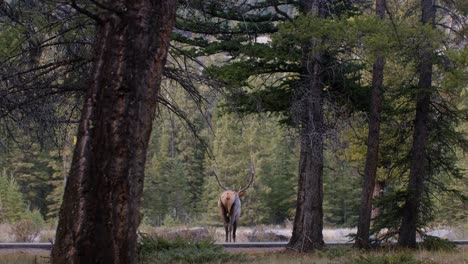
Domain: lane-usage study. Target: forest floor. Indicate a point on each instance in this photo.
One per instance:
(351, 256)
(248, 251)
(332, 254)
(339, 255)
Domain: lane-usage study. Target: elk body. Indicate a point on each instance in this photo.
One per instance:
(229, 205)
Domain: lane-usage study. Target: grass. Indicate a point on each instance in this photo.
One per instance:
(162, 251)
(347, 255)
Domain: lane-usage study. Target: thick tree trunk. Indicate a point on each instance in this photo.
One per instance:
(99, 216)
(411, 209)
(370, 171)
(308, 221)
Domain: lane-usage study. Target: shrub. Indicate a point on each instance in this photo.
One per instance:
(36, 217)
(189, 234)
(159, 250)
(260, 236)
(436, 243)
(29, 227)
(25, 231)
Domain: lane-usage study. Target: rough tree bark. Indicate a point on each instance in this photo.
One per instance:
(370, 170)
(308, 221)
(99, 216)
(411, 208)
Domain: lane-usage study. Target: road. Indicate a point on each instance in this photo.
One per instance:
(44, 248)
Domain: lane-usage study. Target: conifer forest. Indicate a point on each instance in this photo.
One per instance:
(118, 115)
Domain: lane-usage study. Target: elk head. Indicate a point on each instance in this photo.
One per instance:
(229, 205)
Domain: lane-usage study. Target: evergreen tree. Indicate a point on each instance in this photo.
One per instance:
(13, 207)
(284, 61)
(174, 174)
(370, 171)
(418, 173)
(279, 176)
(36, 173)
(12, 203)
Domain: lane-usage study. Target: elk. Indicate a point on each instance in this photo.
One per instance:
(229, 205)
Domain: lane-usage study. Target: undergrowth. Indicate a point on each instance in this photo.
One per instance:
(346, 254)
(433, 243)
(400, 258)
(160, 250)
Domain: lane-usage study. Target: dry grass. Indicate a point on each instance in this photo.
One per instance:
(25, 231)
(184, 233)
(457, 257)
(346, 255)
(244, 234)
(5, 233)
(259, 233)
(47, 235)
(22, 258)
(334, 255)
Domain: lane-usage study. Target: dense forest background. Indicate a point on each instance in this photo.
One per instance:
(180, 187)
(245, 117)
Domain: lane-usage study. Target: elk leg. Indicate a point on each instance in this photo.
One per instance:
(226, 228)
(234, 227)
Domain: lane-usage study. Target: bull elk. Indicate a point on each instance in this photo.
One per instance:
(229, 205)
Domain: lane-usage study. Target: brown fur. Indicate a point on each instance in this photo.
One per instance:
(226, 201)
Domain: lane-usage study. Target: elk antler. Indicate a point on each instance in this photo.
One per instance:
(219, 183)
(251, 178)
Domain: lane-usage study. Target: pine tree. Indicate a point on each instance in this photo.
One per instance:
(279, 174)
(175, 181)
(370, 171)
(36, 172)
(13, 206)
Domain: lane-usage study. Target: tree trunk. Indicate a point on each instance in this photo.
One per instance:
(411, 209)
(370, 171)
(100, 215)
(308, 221)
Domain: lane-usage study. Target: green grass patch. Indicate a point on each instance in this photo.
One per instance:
(160, 250)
